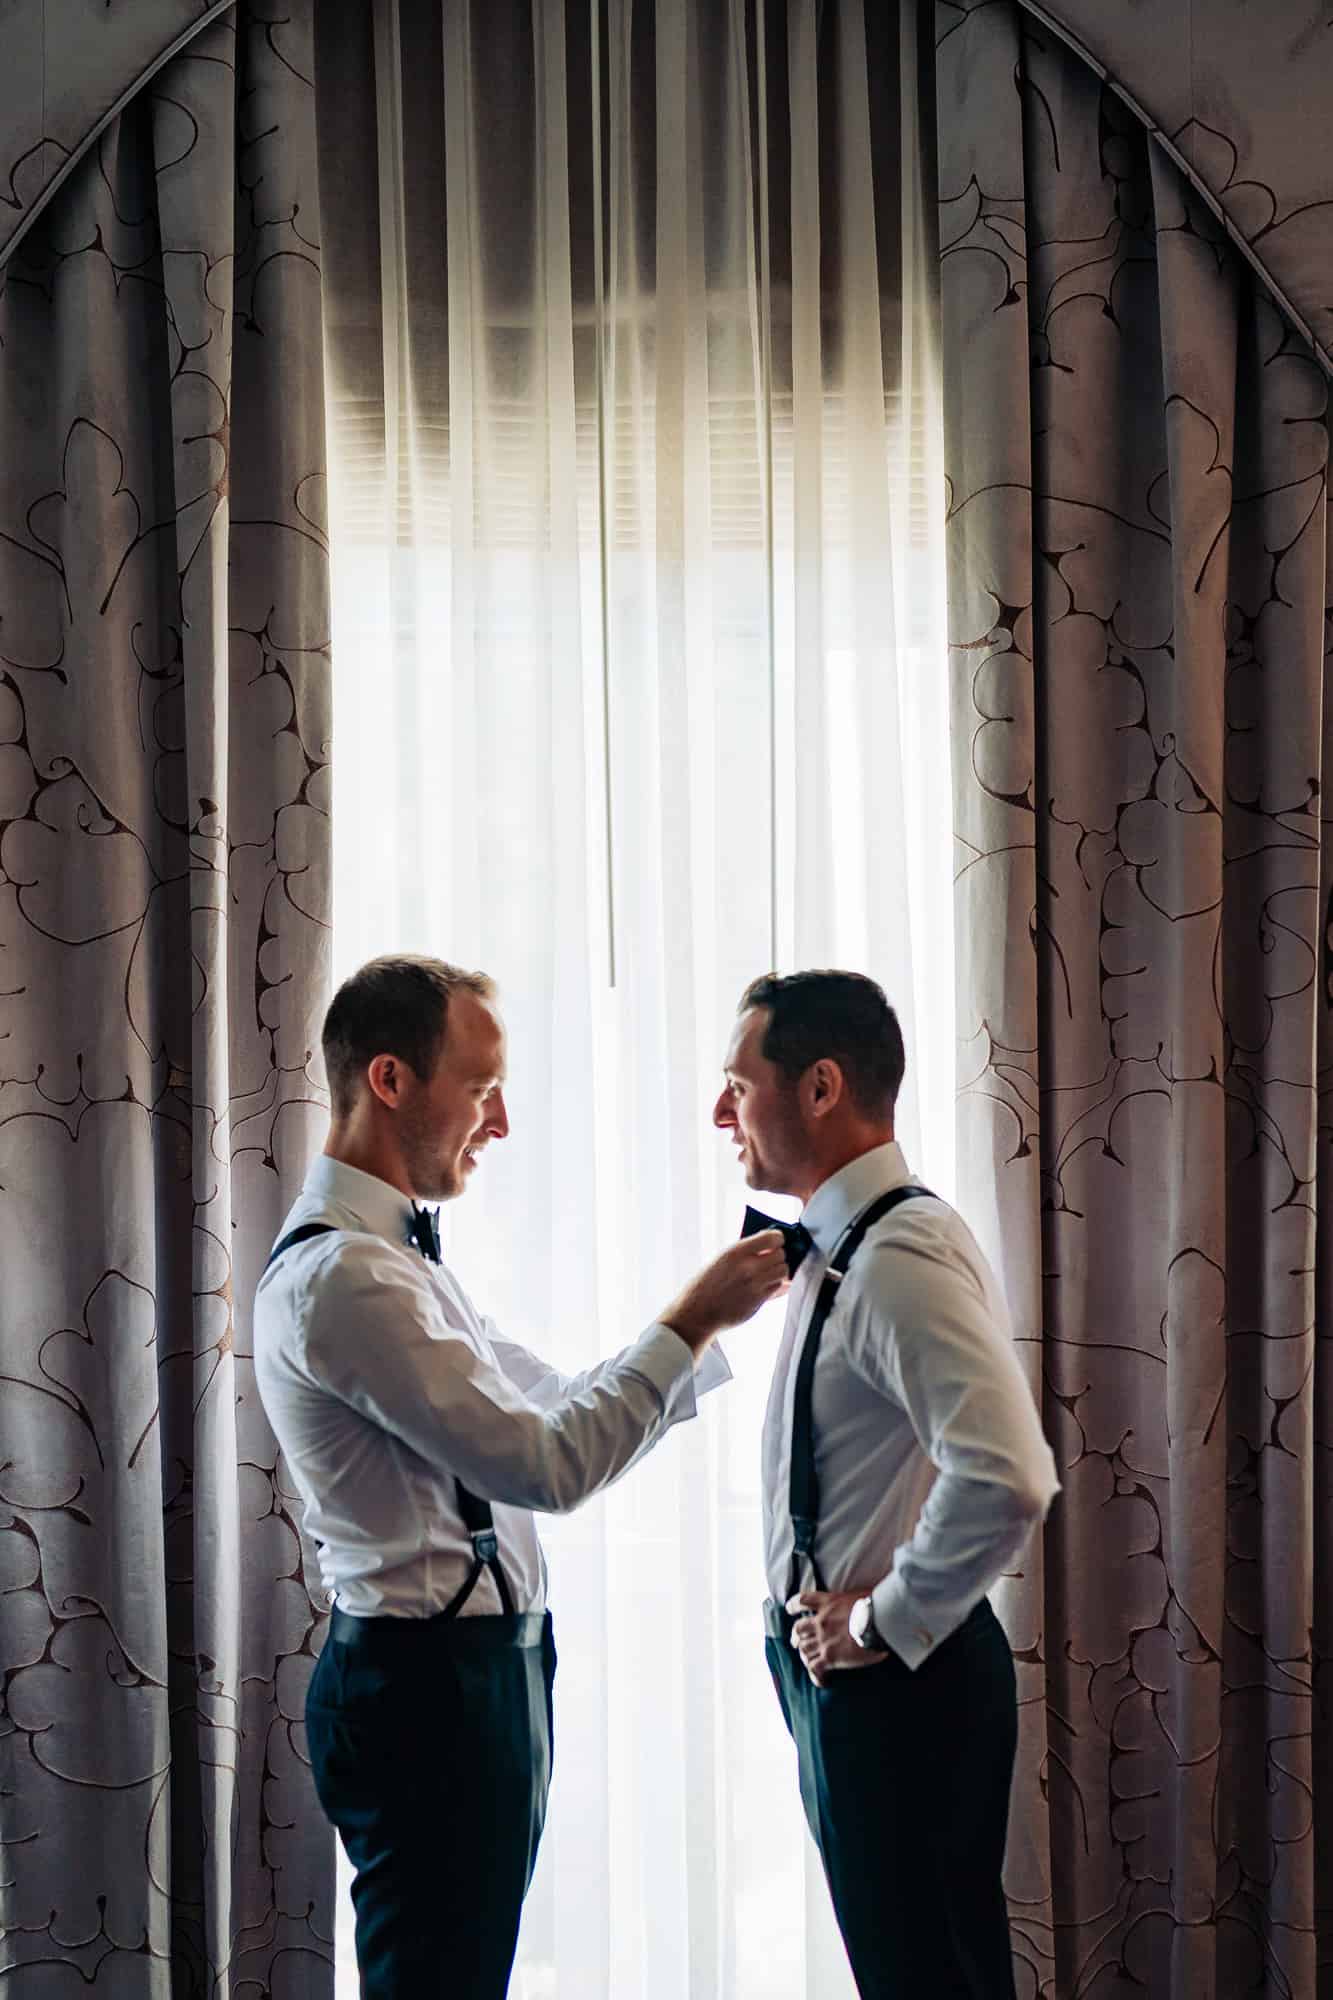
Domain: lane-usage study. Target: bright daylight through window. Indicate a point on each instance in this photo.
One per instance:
(640, 690)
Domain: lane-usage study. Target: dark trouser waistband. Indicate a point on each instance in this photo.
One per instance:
(460, 1635)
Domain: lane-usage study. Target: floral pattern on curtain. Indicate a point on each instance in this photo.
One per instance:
(1140, 613)
(164, 893)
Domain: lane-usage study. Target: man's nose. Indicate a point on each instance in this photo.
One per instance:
(724, 1111)
(497, 1116)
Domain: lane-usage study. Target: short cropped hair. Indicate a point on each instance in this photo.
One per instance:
(392, 1006)
(839, 1015)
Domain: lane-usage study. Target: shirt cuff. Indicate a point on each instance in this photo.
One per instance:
(712, 1371)
(902, 1624)
(662, 1358)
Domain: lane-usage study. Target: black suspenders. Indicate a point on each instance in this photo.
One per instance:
(301, 1235)
(804, 1488)
(477, 1516)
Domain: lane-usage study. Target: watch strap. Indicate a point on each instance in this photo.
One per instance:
(867, 1634)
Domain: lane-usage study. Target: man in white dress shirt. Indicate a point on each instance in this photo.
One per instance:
(421, 1442)
(904, 1469)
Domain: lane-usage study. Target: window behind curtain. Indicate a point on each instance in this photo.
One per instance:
(639, 691)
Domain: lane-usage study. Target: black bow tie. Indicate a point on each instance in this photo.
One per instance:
(424, 1231)
(796, 1238)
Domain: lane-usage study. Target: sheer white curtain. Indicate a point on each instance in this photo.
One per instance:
(639, 692)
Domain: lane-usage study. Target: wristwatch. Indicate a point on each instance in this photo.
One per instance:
(861, 1625)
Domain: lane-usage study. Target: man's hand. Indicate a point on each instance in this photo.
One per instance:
(729, 1289)
(820, 1633)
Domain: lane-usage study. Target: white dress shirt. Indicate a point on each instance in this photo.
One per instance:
(384, 1385)
(931, 1461)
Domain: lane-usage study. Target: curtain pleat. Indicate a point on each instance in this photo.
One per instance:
(1137, 448)
(164, 910)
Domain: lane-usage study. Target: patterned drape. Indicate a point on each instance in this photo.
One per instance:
(163, 914)
(1140, 613)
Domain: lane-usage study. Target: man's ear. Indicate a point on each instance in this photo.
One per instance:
(826, 1086)
(387, 1077)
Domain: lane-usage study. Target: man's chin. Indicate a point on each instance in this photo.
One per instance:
(460, 1174)
(758, 1182)
(445, 1189)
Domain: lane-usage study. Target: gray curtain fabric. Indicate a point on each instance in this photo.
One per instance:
(1140, 622)
(1240, 89)
(164, 902)
(65, 65)
(1239, 95)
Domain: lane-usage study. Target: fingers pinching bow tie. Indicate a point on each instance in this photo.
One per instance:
(424, 1231)
(796, 1238)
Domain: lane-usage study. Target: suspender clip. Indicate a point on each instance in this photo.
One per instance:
(803, 1530)
(485, 1546)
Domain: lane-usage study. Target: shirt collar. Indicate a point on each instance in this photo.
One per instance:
(837, 1202)
(385, 1210)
